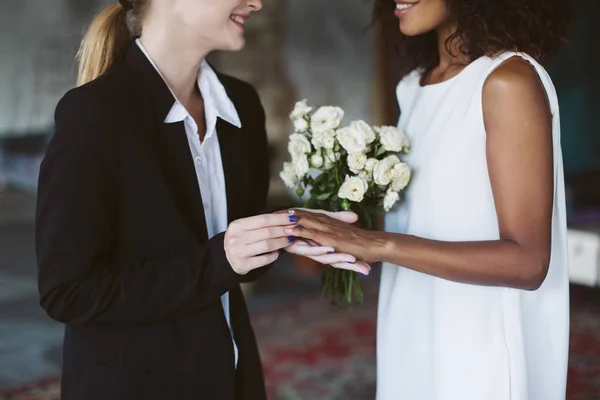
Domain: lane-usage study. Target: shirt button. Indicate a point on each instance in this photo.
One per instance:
(197, 159)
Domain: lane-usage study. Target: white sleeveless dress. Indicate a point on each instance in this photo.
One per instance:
(441, 340)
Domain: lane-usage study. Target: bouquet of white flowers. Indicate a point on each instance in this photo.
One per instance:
(355, 168)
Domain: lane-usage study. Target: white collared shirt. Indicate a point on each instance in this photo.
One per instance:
(207, 153)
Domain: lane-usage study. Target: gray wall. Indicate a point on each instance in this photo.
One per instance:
(38, 41)
(329, 54)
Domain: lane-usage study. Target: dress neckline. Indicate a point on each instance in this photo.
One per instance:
(449, 80)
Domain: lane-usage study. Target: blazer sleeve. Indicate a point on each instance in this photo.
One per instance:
(79, 279)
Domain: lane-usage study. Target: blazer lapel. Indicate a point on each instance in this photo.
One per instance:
(231, 155)
(176, 161)
(170, 143)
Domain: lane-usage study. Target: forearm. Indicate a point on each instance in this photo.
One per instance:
(134, 292)
(504, 263)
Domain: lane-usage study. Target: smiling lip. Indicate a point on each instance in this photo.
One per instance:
(239, 20)
(404, 7)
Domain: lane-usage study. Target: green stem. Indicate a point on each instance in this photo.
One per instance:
(337, 173)
(341, 286)
(349, 287)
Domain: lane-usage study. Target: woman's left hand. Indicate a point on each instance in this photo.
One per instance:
(326, 254)
(341, 236)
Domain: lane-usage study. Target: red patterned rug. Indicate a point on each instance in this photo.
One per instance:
(313, 351)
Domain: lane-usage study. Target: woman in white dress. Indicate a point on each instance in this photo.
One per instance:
(474, 299)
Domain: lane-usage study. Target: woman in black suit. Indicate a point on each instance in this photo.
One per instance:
(147, 209)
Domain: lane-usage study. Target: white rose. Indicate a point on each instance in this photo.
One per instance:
(298, 145)
(329, 140)
(366, 176)
(393, 139)
(400, 176)
(300, 165)
(352, 140)
(301, 109)
(326, 118)
(324, 139)
(288, 175)
(367, 132)
(370, 164)
(390, 199)
(382, 173)
(353, 189)
(300, 125)
(329, 159)
(317, 140)
(316, 160)
(356, 162)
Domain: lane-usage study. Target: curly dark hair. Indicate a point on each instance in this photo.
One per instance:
(484, 28)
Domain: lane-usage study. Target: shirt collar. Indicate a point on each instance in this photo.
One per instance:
(216, 101)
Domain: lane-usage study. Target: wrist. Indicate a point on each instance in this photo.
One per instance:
(380, 245)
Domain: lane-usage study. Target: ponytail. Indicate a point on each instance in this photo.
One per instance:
(104, 41)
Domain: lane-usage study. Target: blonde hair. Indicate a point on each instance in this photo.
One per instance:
(105, 40)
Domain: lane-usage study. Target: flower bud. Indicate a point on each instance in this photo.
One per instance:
(346, 205)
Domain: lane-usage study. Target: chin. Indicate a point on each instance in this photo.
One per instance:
(236, 44)
(236, 47)
(409, 30)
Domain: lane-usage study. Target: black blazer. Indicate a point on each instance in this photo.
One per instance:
(123, 254)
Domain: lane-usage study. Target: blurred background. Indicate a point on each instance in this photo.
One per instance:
(315, 49)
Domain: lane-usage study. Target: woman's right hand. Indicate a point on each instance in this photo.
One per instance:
(254, 242)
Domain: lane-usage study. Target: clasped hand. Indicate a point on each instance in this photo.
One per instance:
(254, 242)
(339, 233)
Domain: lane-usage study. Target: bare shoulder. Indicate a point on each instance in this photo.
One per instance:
(515, 80)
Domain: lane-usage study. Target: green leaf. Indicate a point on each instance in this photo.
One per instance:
(320, 179)
(324, 196)
(310, 203)
(368, 220)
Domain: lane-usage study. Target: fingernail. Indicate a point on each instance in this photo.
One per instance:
(293, 218)
(291, 239)
(299, 227)
(330, 252)
(351, 262)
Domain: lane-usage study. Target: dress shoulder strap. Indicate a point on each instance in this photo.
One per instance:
(542, 73)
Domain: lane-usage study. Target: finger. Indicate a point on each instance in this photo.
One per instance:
(308, 242)
(315, 235)
(262, 260)
(344, 216)
(259, 235)
(360, 267)
(301, 248)
(265, 220)
(265, 246)
(318, 221)
(305, 242)
(364, 264)
(335, 258)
